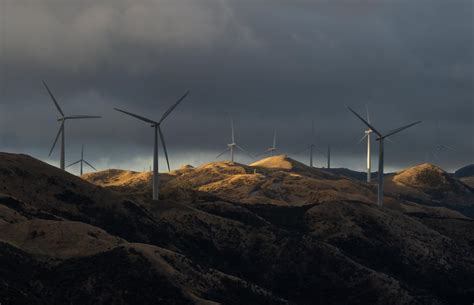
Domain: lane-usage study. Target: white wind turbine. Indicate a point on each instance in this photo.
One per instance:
(272, 150)
(81, 161)
(156, 126)
(63, 118)
(233, 145)
(381, 139)
(369, 155)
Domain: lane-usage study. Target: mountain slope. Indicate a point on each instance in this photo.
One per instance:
(464, 172)
(430, 185)
(208, 250)
(275, 180)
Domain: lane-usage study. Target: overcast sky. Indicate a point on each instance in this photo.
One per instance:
(271, 65)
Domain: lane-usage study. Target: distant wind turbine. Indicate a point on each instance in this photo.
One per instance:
(329, 156)
(312, 147)
(381, 139)
(63, 119)
(439, 147)
(272, 150)
(156, 126)
(369, 155)
(81, 161)
(233, 145)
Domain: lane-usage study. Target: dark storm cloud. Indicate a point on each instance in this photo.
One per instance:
(269, 64)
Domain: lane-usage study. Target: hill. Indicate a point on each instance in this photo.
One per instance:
(275, 180)
(464, 172)
(466, 175)
(61, 236)
(345, 172)
(468, 181)
(430, 185)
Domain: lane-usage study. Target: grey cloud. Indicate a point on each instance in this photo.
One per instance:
(270, 64)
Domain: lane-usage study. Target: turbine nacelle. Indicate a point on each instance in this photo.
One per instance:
(63, 119)
(158, 132)
(233, 145)
(380, 138)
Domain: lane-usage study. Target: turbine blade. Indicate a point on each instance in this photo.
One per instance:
(173, 107)
(449, 147)
(162, 138)
(222, 153)
(303, 150)
(263, 153)
(368, 114)
(90, 165)
(319, 151)
(82, 152)
(390, 140)
(243, 150)
(53, 98)
(72, 117)
(74, 163)
(400, 129)
(365, 122)
(57, 137)
(435, 155)
(274, 139)
(232, 126)
(138, 117)
(362, 139)
(438, 135)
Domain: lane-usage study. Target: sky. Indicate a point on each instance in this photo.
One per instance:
(270, 65)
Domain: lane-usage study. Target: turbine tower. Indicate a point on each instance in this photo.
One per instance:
(272, 150)
(329, 156)
(233, 145)
(369, 155)
(381, 139)
(63, 118)
(81, 161)
(157, 128)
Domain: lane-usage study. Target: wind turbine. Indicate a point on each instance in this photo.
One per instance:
(329, 156)
(156, 126)
(63, 118)
(381, 139)
(369, 155)
(272, 149)
(439, 147)
(233, 145)
(81, 161)
(312, 147)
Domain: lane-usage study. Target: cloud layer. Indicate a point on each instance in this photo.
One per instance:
(272, 65)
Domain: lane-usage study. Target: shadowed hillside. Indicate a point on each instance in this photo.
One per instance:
(466, 175)
(464, 172)
(430, 185)
(285, 234)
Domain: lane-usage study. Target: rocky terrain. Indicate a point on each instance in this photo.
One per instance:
(430, 185)
(466, 174)
(274, 232)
